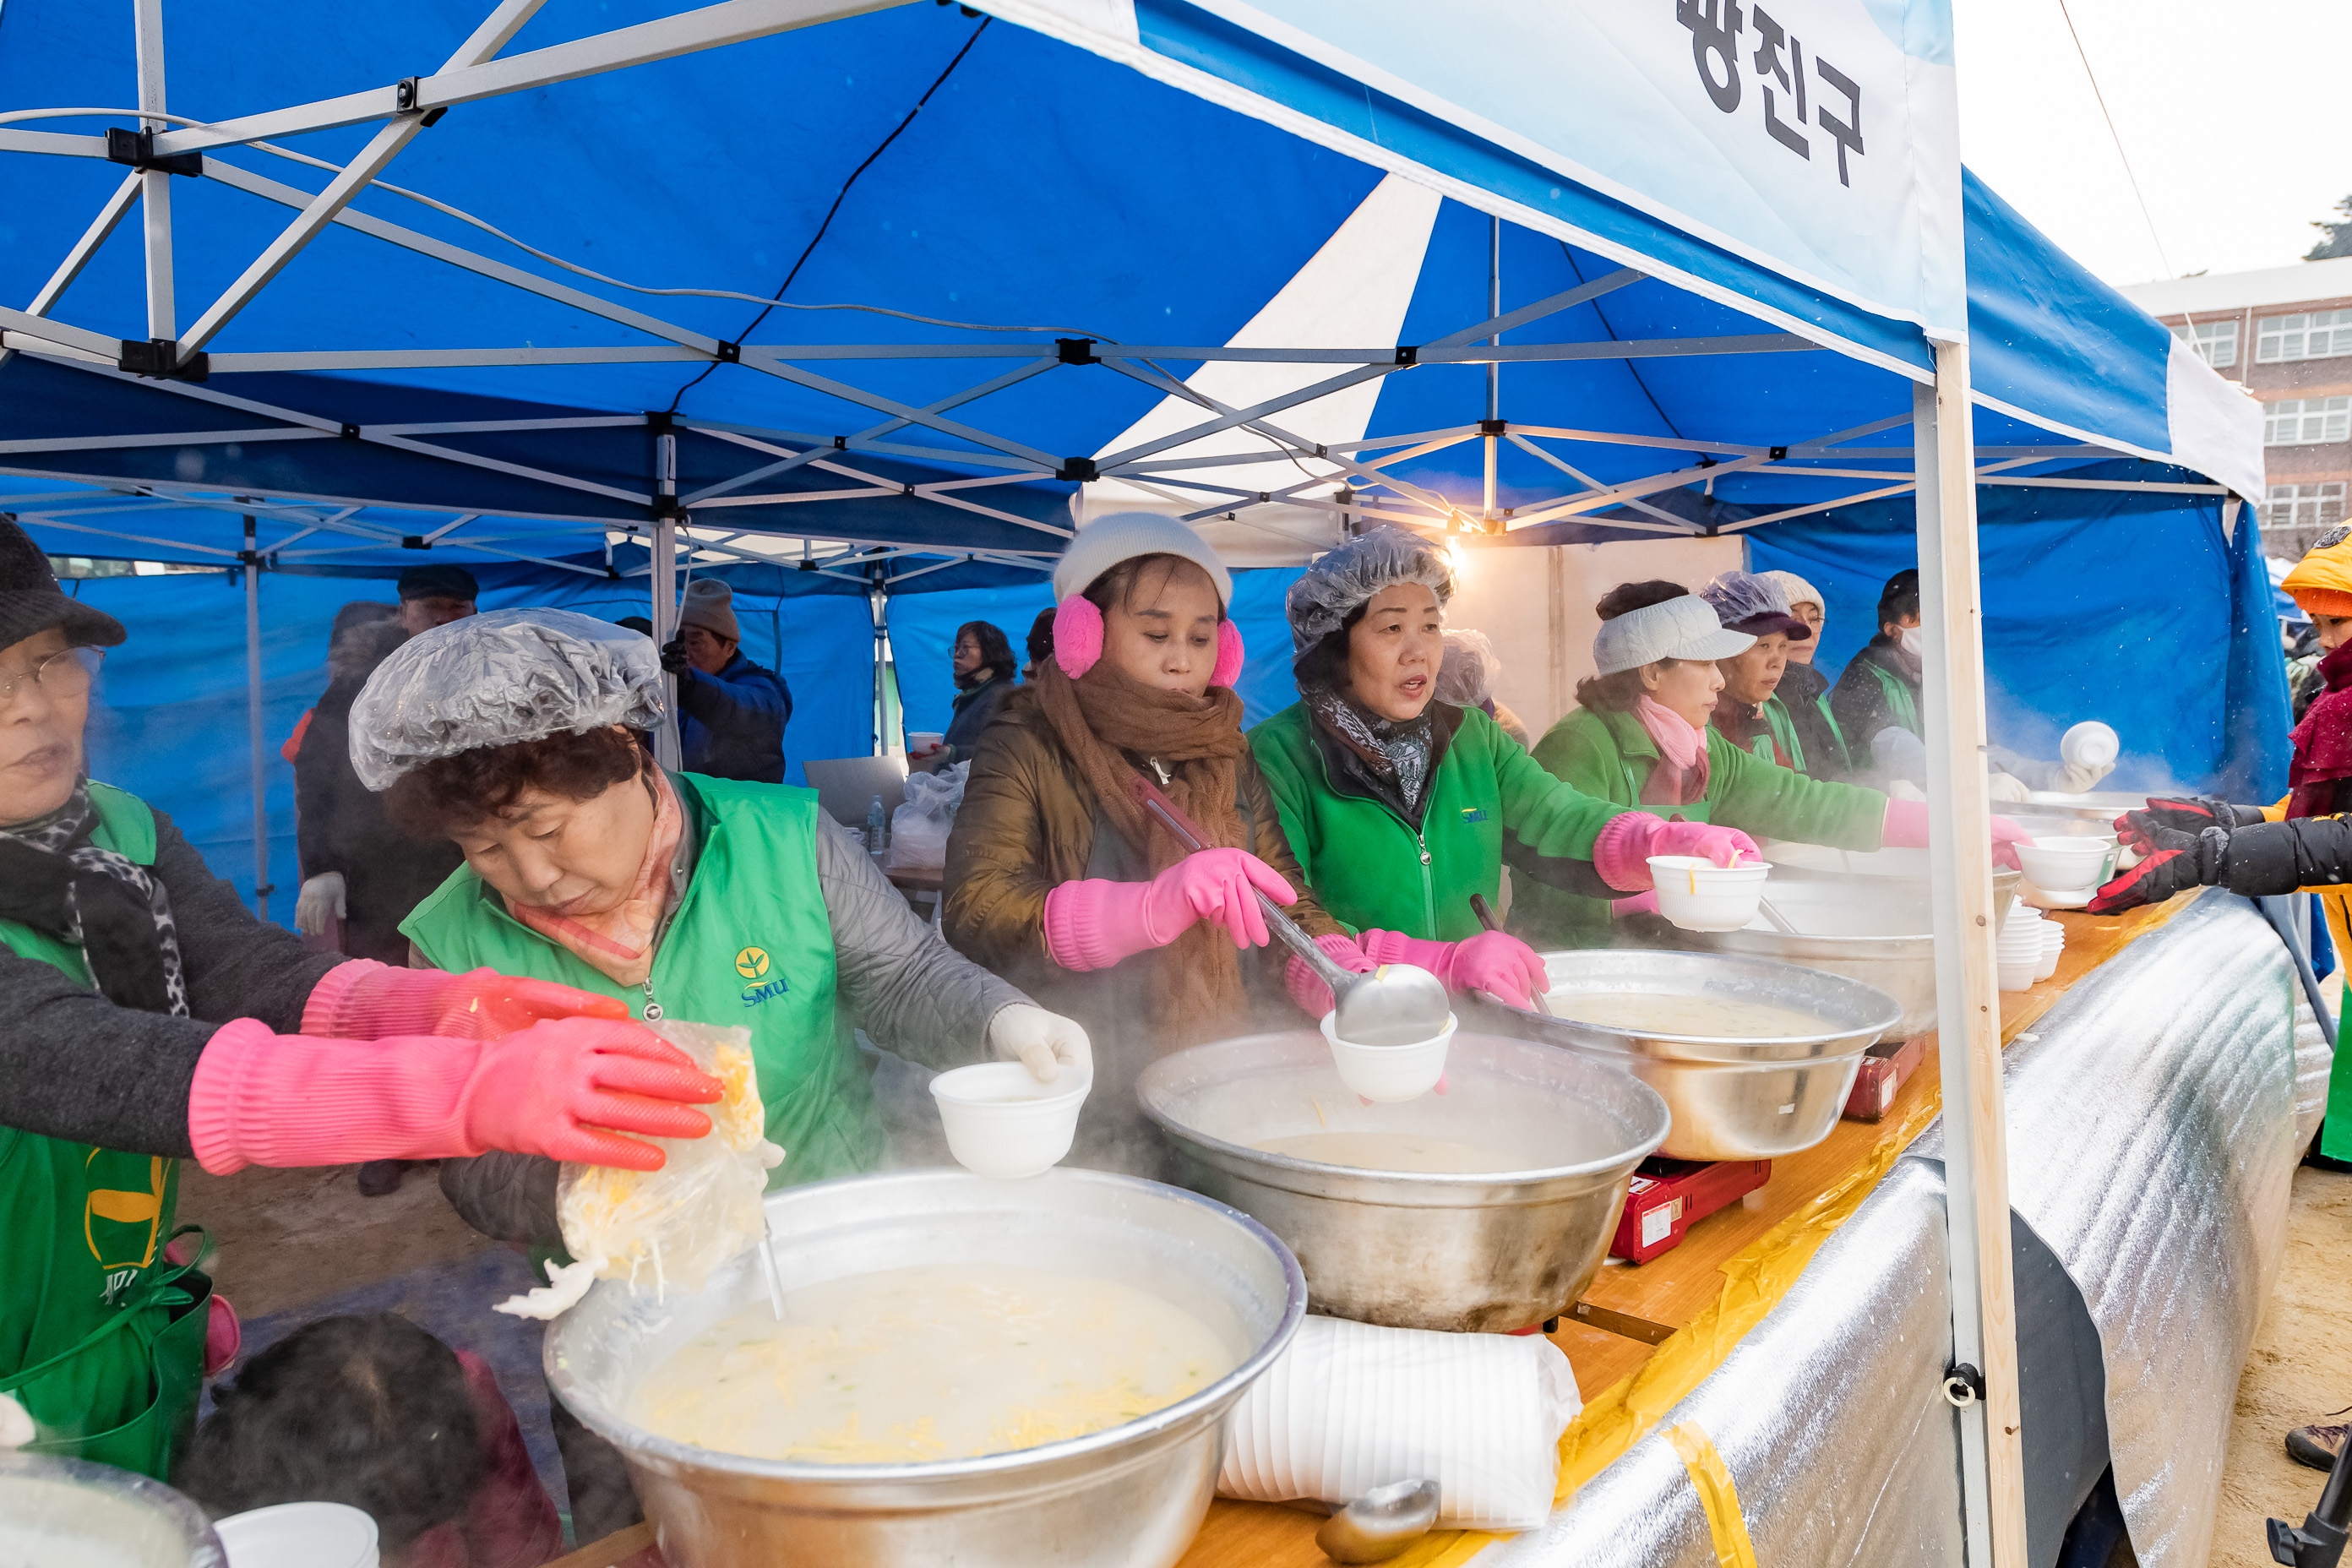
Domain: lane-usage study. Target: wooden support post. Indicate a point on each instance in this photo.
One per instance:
(1968, 1002)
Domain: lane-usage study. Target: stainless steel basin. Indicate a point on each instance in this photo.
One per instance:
(1500, 1249)
(74, 1512)
(1876, 929)
(1794, 862)
(1134, 1494)
(1731, 1099)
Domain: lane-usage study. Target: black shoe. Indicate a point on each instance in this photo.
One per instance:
(379, 1178)
(2315, 1445)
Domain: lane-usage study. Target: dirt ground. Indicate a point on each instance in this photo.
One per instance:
(2300, 1368)
(288, 1238)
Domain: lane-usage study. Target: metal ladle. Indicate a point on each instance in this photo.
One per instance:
(1395, 1005)
(1381, 1524)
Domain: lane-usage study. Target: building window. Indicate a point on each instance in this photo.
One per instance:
(2304, 506)
(2216, 343)
(2321, 334)
(2307, 421)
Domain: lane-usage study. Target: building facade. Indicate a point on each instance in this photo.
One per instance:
(2286, 335)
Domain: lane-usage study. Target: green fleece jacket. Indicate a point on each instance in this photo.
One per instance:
(1372, 867)
(1611, 756)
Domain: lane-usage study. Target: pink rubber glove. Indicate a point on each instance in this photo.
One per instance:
(1907, 828)
(265, 1099)
(1095, 924)
(1494, 961)
(1638, 904)
(363, 1000)
(1906, 825)
(1622, 853)
(1307, 987)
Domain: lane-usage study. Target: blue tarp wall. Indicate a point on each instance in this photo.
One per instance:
(2134, 608)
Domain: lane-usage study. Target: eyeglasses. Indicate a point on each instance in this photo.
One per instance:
(62, 676)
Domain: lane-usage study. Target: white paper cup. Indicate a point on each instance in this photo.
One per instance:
(300, 1535)
(1697, 894)
(924, 740)
(1389, 1074)
(2055, 863)
(2090, 744)
(1002, 1122)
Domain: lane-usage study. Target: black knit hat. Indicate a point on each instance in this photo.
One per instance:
(439, 582)
(1900, 597)
(31, 603)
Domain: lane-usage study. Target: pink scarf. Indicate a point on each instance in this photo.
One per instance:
(618, 943)
(1680, 777)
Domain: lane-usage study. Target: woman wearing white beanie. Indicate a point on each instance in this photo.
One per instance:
(1057, 877)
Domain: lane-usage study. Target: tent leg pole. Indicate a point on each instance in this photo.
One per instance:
(1967, 1004)
(1494, 368)
(261, 888)
(879, 602)
(666, 750)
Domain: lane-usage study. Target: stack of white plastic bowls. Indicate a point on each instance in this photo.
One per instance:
(2019, 949)
(300, 1535)
(2053, 943)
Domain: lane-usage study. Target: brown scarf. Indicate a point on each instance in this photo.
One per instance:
(1196, 983)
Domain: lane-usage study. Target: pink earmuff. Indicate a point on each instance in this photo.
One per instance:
(1078, 635)
(1229, 656)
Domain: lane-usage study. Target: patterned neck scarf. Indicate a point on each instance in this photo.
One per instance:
(54, 878)
(1396, 752)
(618, 943)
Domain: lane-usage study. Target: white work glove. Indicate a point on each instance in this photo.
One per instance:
(2076, 778)
(16, 1428)
(1045, 1043)
(322, 899)
(2007, 787)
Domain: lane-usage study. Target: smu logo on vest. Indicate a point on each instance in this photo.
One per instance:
(757, 971)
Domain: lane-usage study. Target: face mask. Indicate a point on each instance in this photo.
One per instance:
(1913, 640)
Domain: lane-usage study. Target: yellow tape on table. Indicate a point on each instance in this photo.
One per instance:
(1716, 1495)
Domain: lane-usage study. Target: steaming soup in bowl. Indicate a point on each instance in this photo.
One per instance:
(937, 1362)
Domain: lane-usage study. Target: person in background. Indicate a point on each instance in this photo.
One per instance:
(1805, 603)
(1640, 737)
(1056, 876)
(358, 613)
(146, 1017)
(1804, 689)
(983, 677)
(2299, 641)
(435, 595)
(1756, 709)
(641, 624)
(1466, 678)
(1876, 705)
(334, 1412)
(732, 713)
(1403, 807)
(1039, 644)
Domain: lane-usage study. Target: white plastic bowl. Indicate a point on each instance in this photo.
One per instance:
(300, 1535)
(1002, 1122)
(2018, 976)
(2054, 944)
(1389, 1074)
(2090, 744)
(1697, 894)
(2058, 864)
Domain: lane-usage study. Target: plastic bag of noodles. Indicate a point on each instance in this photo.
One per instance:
(668, 1229)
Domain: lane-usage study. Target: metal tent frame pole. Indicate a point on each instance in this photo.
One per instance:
(1968, 1001)
(663, 590)
(261, 888)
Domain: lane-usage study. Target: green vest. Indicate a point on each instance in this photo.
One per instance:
(1900, 705)
(748, 944)
(101, 1338)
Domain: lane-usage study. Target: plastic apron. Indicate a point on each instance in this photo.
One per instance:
(101, 1338)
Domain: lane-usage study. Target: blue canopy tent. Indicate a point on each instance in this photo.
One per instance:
(918, 290)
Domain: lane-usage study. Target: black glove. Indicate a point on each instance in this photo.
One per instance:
(2170, 861)
(2193, 814)
(673, 657)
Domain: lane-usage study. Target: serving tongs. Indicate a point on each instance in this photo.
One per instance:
(1395, 1005)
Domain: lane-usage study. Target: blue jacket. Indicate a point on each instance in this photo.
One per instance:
(731, 725)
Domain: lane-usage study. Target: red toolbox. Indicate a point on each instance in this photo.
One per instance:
(1669, 1197)
(1885, 1066)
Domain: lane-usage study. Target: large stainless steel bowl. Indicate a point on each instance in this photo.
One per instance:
(1877, 930)
(1494, 1250)
(1134, 1494)
(1793, 862)
(73, 1512)
(1731, 1099)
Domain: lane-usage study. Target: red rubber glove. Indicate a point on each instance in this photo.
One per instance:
(365, 1000)
(1095, 924)
(565, 1088)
